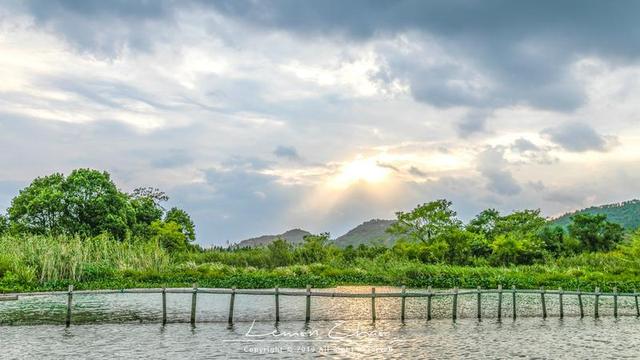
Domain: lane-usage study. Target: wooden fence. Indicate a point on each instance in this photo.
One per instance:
(308, 294)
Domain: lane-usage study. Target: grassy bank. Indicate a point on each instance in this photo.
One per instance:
(42, 263)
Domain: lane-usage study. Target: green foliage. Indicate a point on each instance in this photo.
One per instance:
(39, 208)
(523, 222)
(514, 248)
(184, 221)
(280, 253)
(93, 205)
(426, 221)
(169, 235)
(485, 223)
(87, 203)
(4, 224)
(594, 232)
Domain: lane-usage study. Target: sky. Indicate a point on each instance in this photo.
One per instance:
(261, 116)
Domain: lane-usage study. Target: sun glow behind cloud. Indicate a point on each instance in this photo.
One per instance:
(366, 170)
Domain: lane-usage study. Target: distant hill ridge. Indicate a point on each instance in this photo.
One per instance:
(626, 213)
(293, 236)
(372, 232)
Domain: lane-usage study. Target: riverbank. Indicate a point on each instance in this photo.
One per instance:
(320, 276)
(45, 263)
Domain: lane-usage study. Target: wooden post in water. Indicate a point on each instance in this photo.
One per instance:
(544, 304)
(429, 303)
(373, 304)
(69, 303)
(307, 316)
(580, 304)
(595, 304)
(277, 304)
(513, 300)
(164, 306)
(402, 303)
(454, 310)
(194, 299)
(615, 302)
(561, 305)
(231, 301)
(499, 302)
(479, 298)
(635, 293)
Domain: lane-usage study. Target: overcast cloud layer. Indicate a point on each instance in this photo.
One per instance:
(257, 117)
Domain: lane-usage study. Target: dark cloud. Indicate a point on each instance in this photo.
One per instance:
(387, 166)
(287, 152)
(493, 167)
(523, 145)
(474, 122)
(417, 172)
(577, 137)
(523, 49)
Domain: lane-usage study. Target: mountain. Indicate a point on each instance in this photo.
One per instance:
(369, 233)
(293, 236)
(626, 213)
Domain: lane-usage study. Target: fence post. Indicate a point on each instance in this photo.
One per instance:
(69, 303)
(544, 304)
(635, 293)
(277, 295)
(615, 302)
(373, 304)
(402, 303)
(164, 306)
(513, 300)
(595, 304)
(479, 295)
(429, 303)
(307, 316)
(561, 304)
(194, 296)
(580, 303)
(454, 310)
(499, 302)
(231, 301)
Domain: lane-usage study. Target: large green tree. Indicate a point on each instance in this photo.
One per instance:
(93, 205)
(426, 221)
(40, 207)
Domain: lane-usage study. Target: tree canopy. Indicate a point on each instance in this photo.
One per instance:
(87, 203)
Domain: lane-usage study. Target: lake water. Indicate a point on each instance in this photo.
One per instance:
(127, 326)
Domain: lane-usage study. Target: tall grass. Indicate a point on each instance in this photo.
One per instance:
(42, 258)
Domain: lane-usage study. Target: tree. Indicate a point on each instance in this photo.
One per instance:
(93, 205)
(516, 248)
(458, 245)
(169, 236)
(147, 208)
(40, 207)
(280, 252)
(426, 221)
(183, 220)
(594, 232)
(522, 222)
(4, 224)
(314, 248)
(485, 223)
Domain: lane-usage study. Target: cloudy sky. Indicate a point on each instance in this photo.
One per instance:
(260, 116)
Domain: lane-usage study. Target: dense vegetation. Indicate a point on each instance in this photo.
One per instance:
(81, 229)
